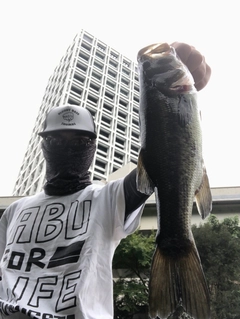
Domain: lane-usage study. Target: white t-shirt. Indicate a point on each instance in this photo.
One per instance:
(56, 253)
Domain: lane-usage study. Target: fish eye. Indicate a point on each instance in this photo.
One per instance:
(146, 65)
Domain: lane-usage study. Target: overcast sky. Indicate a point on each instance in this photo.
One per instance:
(36, 34)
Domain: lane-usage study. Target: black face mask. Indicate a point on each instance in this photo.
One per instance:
(67, 164)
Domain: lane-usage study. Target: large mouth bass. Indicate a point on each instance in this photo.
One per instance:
(171, 164)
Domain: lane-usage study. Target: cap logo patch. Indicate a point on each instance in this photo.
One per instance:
(68, 116)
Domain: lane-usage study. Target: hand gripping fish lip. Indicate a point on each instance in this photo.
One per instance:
(163, 68)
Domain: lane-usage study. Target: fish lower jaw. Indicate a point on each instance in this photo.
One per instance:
(181, 88)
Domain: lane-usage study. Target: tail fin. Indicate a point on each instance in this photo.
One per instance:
(178, 281)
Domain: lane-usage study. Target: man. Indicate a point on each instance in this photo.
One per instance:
(57, 246)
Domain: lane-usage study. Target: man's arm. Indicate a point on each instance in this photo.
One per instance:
(133, 197)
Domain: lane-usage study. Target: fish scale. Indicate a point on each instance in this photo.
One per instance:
(170, 164)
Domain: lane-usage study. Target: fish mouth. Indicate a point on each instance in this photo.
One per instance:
(172, 80)
(163, 68)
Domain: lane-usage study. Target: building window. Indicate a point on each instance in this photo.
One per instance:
(114, 55)
(134, 160)
(102, 150)
(126, 63)
(79, 78)
(124, 92)
(136, 99)
(100, 164)
(134, 148)
(122, 115)
(109, 95)
(100, 167)
(127, 72)
(136, 111)
(113, 63)
(98, 65)
(121, 128)
(76, 90)
(135, 122)
(123, 103)
(107, 107)
(118, 157)
(136, 88)
(104, 135)
(101, 47)
(111, 84)
(84, 56)
(106, 120)
(81, 66)
(95, 87)
(125, 81)
(87, 38)
(112, 73)
(86, 46)
(92, 98)
(120, 142)
(71, 100)
(135, 135)
(97, 75)
(100, 55)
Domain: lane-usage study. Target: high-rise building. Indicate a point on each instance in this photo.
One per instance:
(93, 75)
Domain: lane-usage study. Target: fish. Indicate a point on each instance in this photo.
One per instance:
(170, 164)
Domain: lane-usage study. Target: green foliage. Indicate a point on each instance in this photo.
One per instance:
(130, 296)
(137, 250)
(133, 259)
(218, 243)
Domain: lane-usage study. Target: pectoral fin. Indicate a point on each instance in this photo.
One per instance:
(144, 182)
(204, 197)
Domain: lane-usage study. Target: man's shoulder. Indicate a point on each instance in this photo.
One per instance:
(102, 187)
(29, 199)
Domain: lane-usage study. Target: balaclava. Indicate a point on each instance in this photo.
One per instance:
(68, 157)
(67, 166)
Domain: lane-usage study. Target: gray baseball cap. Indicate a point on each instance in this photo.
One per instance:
(69, 118)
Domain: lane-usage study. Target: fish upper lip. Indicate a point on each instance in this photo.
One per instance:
(155, 49)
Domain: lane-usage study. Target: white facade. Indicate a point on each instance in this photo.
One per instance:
(92, 75)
